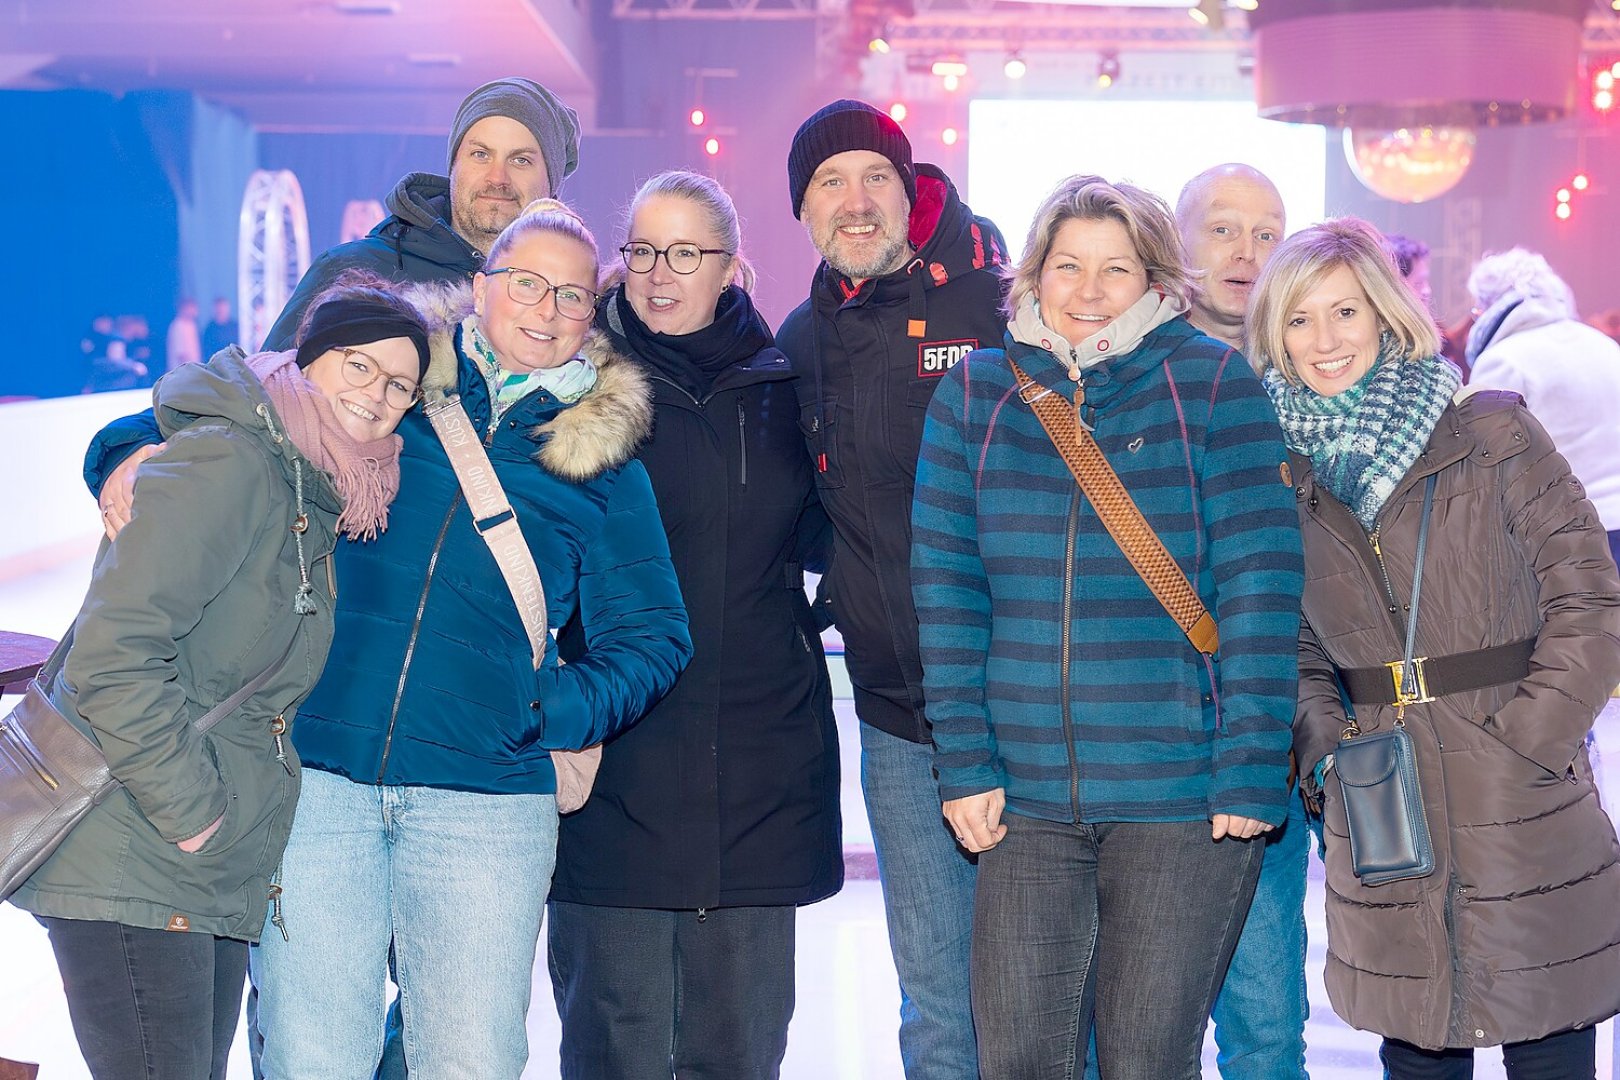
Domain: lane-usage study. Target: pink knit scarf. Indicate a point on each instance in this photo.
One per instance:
(366, 473)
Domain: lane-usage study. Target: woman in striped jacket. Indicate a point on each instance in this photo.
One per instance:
(1109, 772)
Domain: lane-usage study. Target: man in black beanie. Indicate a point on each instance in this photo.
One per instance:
(512, 141)
(909, 284)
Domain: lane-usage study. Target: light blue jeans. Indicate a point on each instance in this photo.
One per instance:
(1260, 1014)
(928, 883)
(456, 881)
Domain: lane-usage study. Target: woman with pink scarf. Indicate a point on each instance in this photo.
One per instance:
(222, 574)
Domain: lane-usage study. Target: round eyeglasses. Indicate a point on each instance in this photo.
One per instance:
(529, 288)
(681, 258)
(361, 371)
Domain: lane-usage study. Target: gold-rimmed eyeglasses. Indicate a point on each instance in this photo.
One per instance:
(529, 288)
(361, 371)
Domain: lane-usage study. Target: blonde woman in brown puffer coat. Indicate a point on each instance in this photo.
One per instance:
(1514, 938)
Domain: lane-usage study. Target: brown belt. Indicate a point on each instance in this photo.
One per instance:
(1437, 676)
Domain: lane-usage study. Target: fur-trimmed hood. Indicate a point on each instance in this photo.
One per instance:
(599, 432)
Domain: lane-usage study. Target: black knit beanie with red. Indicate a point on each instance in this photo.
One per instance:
(847, 125)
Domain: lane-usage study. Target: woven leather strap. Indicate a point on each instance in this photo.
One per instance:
(1118, 511)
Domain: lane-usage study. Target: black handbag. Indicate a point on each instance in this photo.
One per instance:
(1378, 776)
(52, 774)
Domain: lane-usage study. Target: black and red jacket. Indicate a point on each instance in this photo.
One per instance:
(868, 360)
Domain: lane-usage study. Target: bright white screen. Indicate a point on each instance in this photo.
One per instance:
(1017, 152)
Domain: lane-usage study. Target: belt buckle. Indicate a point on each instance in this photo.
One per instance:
(1418, 692)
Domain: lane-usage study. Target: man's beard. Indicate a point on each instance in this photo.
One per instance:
(482, 224)
(881, 260)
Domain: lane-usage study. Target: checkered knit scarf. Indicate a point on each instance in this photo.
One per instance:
(1362, 441)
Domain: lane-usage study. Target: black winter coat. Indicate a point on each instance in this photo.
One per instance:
(727, 793)
(414, 244)
(865, 380)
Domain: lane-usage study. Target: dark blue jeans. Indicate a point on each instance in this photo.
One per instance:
(1563, 1055)
(150, 1004)
(650, 995)
(1125, 926)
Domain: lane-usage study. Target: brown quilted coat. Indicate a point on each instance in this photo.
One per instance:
(1516, 934)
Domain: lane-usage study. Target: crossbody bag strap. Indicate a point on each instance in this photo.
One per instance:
(1119, 512)
(1417, 590)
(493, 517)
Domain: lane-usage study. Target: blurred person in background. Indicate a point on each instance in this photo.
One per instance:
(1529, 339)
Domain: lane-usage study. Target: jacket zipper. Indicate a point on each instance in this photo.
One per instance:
(1383, 570)
(742, 439)
(416, 629)
(1063, 685)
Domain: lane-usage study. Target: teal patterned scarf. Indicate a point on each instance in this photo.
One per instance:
(1362, 441)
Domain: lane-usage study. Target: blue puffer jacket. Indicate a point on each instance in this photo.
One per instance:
(430, 680)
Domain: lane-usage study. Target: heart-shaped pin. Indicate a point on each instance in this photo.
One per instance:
(1134, 445)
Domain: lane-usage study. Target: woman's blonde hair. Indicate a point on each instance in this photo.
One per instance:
(1147, 220)
(719, 213)
(551, 217)
(1300, 263)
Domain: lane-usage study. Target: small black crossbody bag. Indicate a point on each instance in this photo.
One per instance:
(1378, 776)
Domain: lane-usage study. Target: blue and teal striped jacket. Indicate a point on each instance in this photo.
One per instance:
(1145, 728)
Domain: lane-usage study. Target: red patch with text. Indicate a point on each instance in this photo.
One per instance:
(935, 358)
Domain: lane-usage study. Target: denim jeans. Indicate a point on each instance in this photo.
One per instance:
(1124, 926)
(1563, 1055)
(1261, 1011)
(928, 883)
(149, 1004)
(651, 995)
(455, 881)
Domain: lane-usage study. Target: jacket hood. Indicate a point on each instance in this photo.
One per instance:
(1116, 374)
(225, 389)
(1529, 314)
(419, 222)
(577, 442)
(950, 240)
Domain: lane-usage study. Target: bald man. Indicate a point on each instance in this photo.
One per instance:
(1231, 219)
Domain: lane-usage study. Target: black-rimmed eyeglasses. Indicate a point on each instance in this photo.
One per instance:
(681, 258)
(529, 288)
(361, 371)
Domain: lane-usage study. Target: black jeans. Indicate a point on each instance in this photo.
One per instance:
(1128, 926)
(650, 995)
(150, 1004)
(1563, 1055)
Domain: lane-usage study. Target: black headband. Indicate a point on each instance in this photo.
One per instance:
(348, 323)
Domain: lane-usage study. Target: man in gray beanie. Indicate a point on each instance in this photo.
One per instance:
(512, 141)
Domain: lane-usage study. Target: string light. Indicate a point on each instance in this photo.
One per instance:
(1015, 68)
(897, 112)
(1580, 183)
(712, 147)
(951, 82)
(949, 136)
(697, 117)
(1562, 211)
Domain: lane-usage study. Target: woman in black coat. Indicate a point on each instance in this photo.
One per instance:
(672, 910)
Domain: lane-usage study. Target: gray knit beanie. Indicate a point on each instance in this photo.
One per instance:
(554, 125)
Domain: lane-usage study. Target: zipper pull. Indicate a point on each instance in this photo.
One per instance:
(1378, 551)
(275, 912)
(703, 914)
(278, 728)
